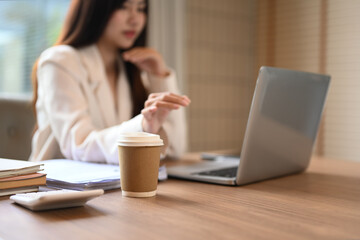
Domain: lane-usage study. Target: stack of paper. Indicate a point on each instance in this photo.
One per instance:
(70, 174)
(20, 176)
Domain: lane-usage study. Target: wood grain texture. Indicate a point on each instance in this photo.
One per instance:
(322, 203)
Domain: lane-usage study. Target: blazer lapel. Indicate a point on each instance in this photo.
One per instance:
(99, 85)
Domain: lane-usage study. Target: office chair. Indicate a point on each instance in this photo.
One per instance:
(16, 126)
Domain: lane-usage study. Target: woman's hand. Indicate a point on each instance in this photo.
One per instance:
(158, 107)
(148, 60)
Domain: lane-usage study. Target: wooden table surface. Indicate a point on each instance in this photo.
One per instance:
(322, 203)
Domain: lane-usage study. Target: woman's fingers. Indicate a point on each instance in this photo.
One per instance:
(186, 99)
(148, 60)
(168, 98)
(148, 111)
(157, 108)
(139, 54)
(167, 105)
(133, 51)
(128, 54)
(159, 102)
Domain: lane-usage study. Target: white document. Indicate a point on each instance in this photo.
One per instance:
(70, 174)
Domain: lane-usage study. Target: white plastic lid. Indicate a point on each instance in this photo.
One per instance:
(139, 139)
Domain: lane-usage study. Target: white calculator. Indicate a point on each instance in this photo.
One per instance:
(64, 198)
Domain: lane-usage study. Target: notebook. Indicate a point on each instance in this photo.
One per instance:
(11, 167)
(26, 180)
(17, 176)
(282, 126)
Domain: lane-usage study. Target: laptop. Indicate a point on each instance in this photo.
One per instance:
(281, 130)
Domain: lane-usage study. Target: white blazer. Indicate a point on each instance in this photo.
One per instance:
(76, 114)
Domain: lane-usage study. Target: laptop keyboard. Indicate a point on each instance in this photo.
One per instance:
(225, 172)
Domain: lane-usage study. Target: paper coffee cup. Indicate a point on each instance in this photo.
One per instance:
(139, 160)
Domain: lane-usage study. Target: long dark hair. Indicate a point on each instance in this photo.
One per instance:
(84, 24)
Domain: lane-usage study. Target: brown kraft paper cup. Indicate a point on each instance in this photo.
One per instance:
(139, 165)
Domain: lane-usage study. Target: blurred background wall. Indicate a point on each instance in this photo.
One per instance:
(227, 41)
(220, 57)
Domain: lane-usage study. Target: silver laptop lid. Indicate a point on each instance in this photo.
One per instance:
(283, 123)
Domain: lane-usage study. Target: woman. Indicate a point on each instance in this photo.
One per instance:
(94, 84)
